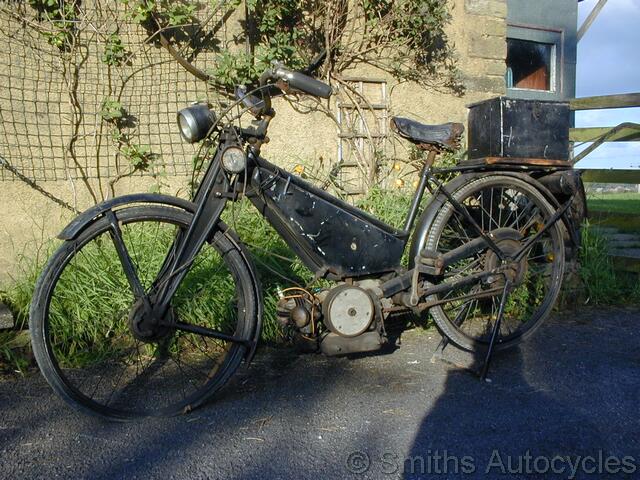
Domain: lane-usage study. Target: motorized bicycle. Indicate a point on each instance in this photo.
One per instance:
(171, 302)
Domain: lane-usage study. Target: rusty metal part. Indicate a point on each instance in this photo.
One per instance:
(431, 262)
(516, 162)
(300, 316)
(481, 294)
(516, 271)
(333, 344)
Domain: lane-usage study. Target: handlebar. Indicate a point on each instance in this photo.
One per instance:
(296, 80)
(303, 82)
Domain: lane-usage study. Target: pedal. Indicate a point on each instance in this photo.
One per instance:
(428, 262)
(431, 261)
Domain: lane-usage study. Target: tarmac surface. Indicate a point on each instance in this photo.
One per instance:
(563, 405)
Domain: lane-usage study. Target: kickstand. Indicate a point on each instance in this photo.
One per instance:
(494, 332)
(439, 352)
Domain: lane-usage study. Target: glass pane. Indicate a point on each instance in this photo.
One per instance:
(529, 64)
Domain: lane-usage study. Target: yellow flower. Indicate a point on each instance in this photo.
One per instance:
(399, 183)
(299, 169)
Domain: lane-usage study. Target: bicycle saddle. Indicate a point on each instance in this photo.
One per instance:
(445, 136)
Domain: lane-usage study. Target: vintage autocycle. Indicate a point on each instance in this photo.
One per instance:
(163, 327)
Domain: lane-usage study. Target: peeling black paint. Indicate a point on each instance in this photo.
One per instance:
(331, 234)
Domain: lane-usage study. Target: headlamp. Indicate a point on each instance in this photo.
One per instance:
(195, 122)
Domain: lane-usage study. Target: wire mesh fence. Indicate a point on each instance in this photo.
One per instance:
(102, 100)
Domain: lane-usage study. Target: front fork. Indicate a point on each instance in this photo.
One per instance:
(211, 200)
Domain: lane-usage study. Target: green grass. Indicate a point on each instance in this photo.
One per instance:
(626, 203)
(602, 283)
(97, 276)
(15, 347)
(94, 287)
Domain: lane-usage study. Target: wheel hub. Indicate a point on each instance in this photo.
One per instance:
(515, 271)
(146, 326)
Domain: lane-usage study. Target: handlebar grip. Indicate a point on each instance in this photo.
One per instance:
(304, 83)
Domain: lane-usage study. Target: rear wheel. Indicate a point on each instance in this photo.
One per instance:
(85, 324)
(518, 208)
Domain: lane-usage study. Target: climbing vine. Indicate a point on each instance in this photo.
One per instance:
(405, 38)
(60, 16)
(164, 12)
(139, 158)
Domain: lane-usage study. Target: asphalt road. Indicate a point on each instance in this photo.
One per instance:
(565, 405)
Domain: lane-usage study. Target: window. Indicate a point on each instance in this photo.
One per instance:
(530, 65)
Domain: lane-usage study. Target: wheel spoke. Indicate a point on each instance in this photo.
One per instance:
(114, 357)
(497, 202)
(208, 332)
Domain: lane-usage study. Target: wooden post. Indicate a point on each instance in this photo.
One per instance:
(623, 100)
(627, 132)
(591, 18)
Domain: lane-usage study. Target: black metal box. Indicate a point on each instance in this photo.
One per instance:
(509, 127)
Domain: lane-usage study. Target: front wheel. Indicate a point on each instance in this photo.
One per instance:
(83, 318)
(517, 207)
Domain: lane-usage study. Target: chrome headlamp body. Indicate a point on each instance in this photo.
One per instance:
(234, 159)
(195, 122)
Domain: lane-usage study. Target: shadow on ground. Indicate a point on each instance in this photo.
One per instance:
(560, 406)
(571, 391)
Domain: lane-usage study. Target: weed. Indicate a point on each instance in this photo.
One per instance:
(111, 110)
(96, 275)
(603, 284)
(140, 156)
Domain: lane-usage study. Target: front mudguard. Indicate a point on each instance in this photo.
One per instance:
(82, 221)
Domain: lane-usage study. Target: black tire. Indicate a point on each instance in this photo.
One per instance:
(518, 205)
(79, 319)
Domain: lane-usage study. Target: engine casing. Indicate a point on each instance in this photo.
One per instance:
(348, 310)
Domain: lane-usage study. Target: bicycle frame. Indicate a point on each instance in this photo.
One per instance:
(299, 212)
(335, 240)
(452, 259)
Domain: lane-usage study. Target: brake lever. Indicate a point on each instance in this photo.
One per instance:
(253, 103)
(315, 63)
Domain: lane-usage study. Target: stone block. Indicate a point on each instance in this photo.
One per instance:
(495, 67)
(492, 8)
(491, 47)
(6, 318)
(485, 83)
(492, 26)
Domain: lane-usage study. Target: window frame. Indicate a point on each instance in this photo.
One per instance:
(552, 67)
(548, 36)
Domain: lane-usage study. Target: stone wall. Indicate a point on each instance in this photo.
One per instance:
(478, 30)
(487, 49)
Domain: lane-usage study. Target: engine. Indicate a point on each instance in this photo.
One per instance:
(341, 320)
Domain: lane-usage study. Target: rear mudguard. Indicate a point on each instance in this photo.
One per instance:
(82, 221)
(431, 210)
